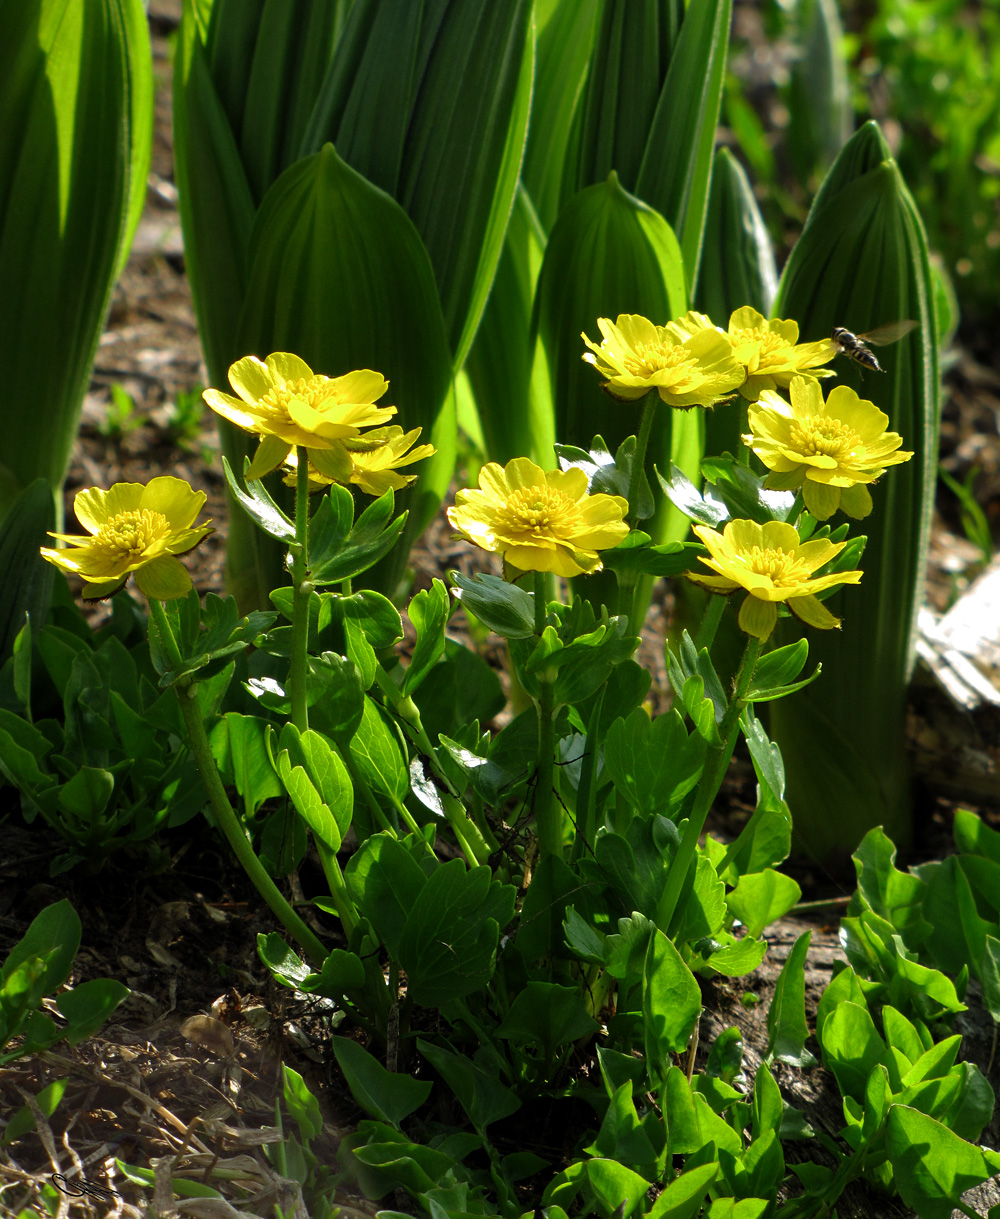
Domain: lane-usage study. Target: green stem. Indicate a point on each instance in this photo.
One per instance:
(716, 762)
(346, 909)
(641, 444)
(225, 818)
(710, 621)
(548, 815)
(298, 671)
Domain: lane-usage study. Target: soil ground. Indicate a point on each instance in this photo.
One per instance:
(153, 1087)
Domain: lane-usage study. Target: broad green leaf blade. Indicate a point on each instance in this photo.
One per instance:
(53, 935)
(608, 254)
(564, 48)
(787, 1029)
(513, 407)
(293, 45)
(339, 276)
(632, 53)
(76, 100)
(819, 99)
(215, 203)
(737, 269)
(862, 261)
(27, 582)
(382, 1094)
(434, 109)
(932, 1166)
(677, 165)
(671, 1001)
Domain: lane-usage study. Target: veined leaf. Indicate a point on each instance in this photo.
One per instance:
(76, 96)
(338, 274)
(677, 164)
(862, 261)
(608, 254)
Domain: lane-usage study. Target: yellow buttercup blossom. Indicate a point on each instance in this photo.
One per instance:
(830, 450)
(370, 461)
(635, 356)
(769, 351)
(282, 400)
(539, 520)
(772, 564)
(133, 529)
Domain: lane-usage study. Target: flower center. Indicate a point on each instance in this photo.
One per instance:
(315, 391)
(647, 358)
(767, 342)
(823, 436)
(132, 533)
(784, 568)
(538, 510)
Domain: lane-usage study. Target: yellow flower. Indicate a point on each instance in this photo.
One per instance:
(772, 564)
(539, 520)
(133, 528)
(828, 449)
(686, 370)
(283, 401)
(769, 351)
(371, 461)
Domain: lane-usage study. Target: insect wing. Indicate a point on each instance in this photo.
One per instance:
(892, 332)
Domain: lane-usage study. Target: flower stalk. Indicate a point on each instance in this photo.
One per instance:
(548, 817)
(298, 671)
(225, 818)
(716, 763)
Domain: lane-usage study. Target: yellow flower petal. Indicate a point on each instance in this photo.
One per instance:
(772, 564)
(836, 443)
(133, 528)
(539, 520)
(271, 452)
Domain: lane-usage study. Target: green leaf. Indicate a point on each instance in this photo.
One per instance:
(449, 941)
(864, 216)
(989, 976)
(932, 1166)
(777, 670)
(88, 1005)
(301, 1104)
(787, 1029)
(676, 169)
(76, 87)
(53, 936)
(564, 47)
(671, 1002)
(27, 586)
(320, 227)
(765, 755)
(738, 266)
(385, 881)
(685, 1194)
(549, 1016)
(285, 964)
(512, 405)
(851, 1047)
(48, 1101)
(654, 763)
(429, 612)
(379, 755)
(618, 1189)
(238, 746)
(896, 896)
(459, 689)
(383, 1094)
(762, 897)
(258, 505)
(86, 795)
(479, 1092)
(504, 608)
(974, 837)
(633, 265)
(318, 783)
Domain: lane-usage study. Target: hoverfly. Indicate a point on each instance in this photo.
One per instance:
(855, 346)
